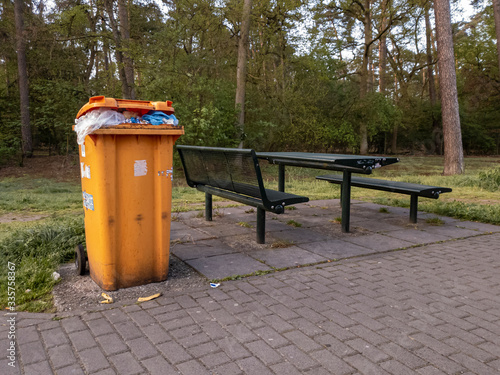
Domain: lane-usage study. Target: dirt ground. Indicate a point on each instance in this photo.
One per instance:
(77, 293)
(59, 168)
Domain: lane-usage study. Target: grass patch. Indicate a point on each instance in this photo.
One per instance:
(337, 220)
(485, 213)
(218, 212)
(239, 277)
(383, 210)
(244, 224)
(294, 223)
(37, 252)
(281, 244)
(39, 195)
(434, 221)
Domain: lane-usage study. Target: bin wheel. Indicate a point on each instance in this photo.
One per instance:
(80, 260)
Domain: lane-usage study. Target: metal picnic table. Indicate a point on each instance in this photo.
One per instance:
(346, 164)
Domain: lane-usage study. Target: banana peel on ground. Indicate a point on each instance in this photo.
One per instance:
(144, 299)
(107, 298)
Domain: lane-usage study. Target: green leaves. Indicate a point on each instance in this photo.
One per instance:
(303, 81)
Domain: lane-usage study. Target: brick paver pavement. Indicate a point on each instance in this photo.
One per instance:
(433, 309)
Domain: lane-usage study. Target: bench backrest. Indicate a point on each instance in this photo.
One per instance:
(225, 168)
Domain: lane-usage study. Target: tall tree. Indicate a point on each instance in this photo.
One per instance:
(23, 79)
(364, 71)
(109, 4)
(453, 151)
(382, 66)
(241, 70)
(128, 65)
(436, 129)
(382, 49)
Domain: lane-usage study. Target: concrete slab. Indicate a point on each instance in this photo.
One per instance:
(226, 265)
(296, 235)
(201, 249)
(451, 231)
(292, 256)
(177, 225)
(336, 249)
(424, 216)
(480, 227)
(218, 229)
(417, 236)
(308, 221)
(380, 225)
(276, 223)
(189, 235)
(379, 242)
(324, 203)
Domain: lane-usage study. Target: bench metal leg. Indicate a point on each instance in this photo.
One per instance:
(413, 208)
(346, 201)
(261, 225)
(208, 207)
(281, 177)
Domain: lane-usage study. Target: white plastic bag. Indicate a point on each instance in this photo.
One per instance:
(95, 120)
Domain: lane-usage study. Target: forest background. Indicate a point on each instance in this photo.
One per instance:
(316, 72)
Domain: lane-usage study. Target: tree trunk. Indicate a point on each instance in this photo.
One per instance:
(118, 48)
(27, 140)
(394, 140)
(453, 150)
(436, 129)
(382, 52)
(128, 64)
(105, 50)
(92, 18)
(364, 75)
(496, 12)
(241, 70)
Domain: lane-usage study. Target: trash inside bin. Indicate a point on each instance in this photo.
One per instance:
(126, 176)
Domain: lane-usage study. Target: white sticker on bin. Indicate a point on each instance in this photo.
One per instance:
(85, 169)
(83, 150)
(140, 168)
(88, 201)
(167, 173)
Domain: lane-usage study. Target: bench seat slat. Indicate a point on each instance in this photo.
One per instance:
(415, 190)
(391, 186)
(282, 198)
(244, 199)
(252, 197)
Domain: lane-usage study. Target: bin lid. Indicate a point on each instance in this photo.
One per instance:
(141, 106)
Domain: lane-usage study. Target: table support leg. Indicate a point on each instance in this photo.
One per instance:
(281, 177)
(261, 225)
(208, 207)
(413, 208)
(346, 201)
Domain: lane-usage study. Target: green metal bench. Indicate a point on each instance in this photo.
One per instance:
(414, 190)
(233, 174)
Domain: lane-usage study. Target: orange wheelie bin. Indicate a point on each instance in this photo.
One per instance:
(126, 176)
